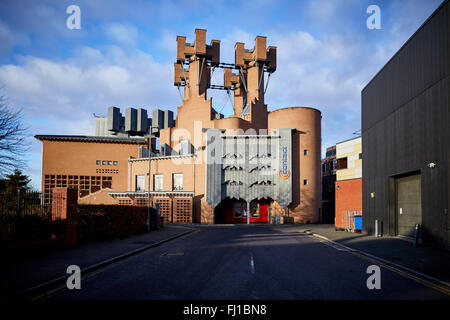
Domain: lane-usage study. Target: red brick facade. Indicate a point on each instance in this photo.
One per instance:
(348, 198)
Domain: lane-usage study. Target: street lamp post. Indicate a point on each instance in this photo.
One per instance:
(148, 193)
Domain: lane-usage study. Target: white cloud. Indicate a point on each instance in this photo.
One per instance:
(85, 85)
(60, 97)
(123, 34)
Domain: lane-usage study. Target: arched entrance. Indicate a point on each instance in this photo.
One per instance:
(235, 211)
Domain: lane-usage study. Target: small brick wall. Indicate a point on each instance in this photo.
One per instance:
(117, 221)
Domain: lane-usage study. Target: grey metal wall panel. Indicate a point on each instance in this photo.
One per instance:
(419, 64)
(249, 168)
(284, 181)
(142, 121)
(158, 118)
(405, 126)
(131, 120)
(213, 167)
(114, 119)
(168, 119)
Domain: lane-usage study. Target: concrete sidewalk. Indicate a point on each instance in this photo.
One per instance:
(27, 272)
(425, 259)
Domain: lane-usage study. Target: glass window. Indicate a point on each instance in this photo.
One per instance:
(109, 163)
(305, 182)
(239, 209)
(158, 182)
(254, 209)
(305, 152)
(98, 162)
(178, 181)
(116, 163)
(104, 162)
(140, 183)
(342, 163)
(184, 147)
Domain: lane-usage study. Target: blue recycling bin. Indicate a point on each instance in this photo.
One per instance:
(358, 222)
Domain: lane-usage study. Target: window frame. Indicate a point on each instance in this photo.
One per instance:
(173, 181)
(159, 176)
(142, 177)
(184, 142)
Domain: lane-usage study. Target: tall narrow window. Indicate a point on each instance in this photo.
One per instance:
(305, 152)
(158, 182)
(184, 147)
(140, 183)
(177, 181)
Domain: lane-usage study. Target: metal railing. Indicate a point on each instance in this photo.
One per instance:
(24, 217)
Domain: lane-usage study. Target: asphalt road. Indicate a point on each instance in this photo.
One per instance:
(244, 262)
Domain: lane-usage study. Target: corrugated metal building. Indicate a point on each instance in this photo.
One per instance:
(405, 132)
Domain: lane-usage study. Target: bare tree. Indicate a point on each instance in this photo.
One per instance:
(12, 138)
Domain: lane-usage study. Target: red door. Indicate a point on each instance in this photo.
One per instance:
(263, 209)
(234, 213)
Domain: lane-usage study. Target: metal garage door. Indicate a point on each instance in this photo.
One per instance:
(409, 204)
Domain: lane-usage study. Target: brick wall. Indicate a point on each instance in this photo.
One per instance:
(348, 197)
(116, 221)
(64, 207)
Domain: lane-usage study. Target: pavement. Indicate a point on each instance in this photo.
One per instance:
(425, 259)
(25, 272)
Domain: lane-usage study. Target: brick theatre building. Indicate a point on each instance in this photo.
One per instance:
(255, 166)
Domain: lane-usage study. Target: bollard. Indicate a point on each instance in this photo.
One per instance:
(376, 228)
(416, 234)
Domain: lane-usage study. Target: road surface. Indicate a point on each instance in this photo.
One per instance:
(244, 262)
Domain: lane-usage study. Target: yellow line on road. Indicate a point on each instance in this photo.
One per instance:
(442, 289)
(49, 293)
(429, 284)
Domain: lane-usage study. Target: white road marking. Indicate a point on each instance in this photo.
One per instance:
(272, 234)
(333, 246)
(252, 264)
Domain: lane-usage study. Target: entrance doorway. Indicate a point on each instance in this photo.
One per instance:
(408, 204)
(235, 211)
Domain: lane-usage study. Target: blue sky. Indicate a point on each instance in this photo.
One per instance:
(124, 52)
